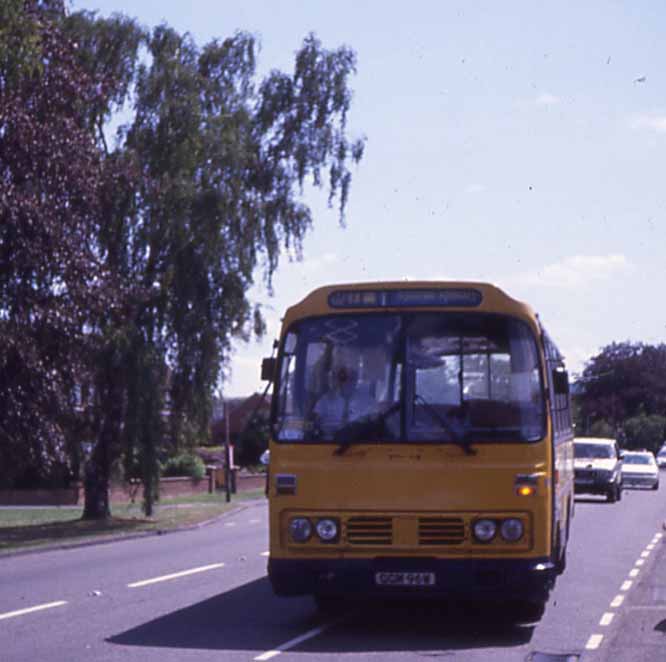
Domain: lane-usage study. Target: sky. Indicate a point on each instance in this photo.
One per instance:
(513, 142)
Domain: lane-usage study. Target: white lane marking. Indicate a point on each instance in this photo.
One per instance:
(617, 601)
(594, 642)
(606, 619)
(650, 546)
(639, 562)
(265, 553)
(255, 521)
(626, 585)
(658, 536)
(644, 555)
(634, 572)
(292, 642)
(30, 610)
(230, 524)
(175, 575)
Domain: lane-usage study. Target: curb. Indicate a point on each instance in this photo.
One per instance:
(111, 538)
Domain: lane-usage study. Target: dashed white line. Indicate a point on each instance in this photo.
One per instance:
(291, 643)
(175, 575)
(634, 572)
(640, 562)
(30, 610)
(606, 619)
(255, 521)
(594, 642)
(265, 553)
(650, 546)
(230, 524)
(617, 601)
(644, 555)
(626, 585)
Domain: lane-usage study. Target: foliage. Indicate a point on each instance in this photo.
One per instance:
(184, 464)
(53, 284)
(645, 431)
(603, 429)
(124, 268)
(252, 442)
(621, 382)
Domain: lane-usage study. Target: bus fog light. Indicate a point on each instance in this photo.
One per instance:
(484, 530)
(511, 529)
(300, 529)
(327, 529)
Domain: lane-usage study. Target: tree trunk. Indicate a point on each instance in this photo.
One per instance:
(110, 416)
(96, 486)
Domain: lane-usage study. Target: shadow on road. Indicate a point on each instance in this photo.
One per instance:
(251, 618)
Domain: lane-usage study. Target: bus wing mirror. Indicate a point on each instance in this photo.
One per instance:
(268, 369)
(561, 381)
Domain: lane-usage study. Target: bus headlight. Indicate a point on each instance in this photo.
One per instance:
(300, 529)
(484, 530)
(511, 529)
(327, 529)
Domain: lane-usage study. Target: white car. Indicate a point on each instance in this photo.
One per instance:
(597, 467)
(639, 469)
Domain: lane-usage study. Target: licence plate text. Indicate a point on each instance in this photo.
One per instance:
(405, 578)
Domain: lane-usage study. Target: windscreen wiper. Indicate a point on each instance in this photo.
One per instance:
(368, 428)
(460, 440)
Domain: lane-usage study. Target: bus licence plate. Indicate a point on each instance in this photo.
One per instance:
(405, 578)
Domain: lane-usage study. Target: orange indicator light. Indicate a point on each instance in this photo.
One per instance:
(526, 490)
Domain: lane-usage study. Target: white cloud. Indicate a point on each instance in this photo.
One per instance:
(546, 99)
(574, 271)
(651, 122)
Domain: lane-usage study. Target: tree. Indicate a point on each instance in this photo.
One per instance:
(645, 431)
(52, 281)
(253, 440)
(204, 192)
(623, 381)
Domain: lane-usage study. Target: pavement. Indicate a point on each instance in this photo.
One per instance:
(640, 635)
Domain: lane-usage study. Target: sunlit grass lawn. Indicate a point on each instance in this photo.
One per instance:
(36, 527)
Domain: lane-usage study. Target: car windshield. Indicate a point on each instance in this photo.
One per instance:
(630, 458)
(593, 451)
(440, 377)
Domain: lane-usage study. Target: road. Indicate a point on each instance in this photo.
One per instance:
(203, 595)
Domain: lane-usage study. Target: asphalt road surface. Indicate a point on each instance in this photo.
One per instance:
(203, 595)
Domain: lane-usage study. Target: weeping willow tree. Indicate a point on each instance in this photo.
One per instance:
(203, 192)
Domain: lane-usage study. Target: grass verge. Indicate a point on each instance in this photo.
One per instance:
(28, 528)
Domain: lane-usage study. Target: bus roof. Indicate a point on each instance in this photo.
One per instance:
(493, 299)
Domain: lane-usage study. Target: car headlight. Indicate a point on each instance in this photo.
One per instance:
(484, 530)
(327, 529)
(300, 529)
(511, 529)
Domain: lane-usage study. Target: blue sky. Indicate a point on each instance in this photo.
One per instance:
(507, 142)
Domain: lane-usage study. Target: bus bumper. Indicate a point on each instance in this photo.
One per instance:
(483, 579)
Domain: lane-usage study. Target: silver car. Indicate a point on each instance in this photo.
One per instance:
(639, 469)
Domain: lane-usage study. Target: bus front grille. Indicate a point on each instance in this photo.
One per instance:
(370, 530)
(441, 531)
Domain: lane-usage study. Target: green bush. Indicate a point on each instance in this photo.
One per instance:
(645, 431)
(184, 464)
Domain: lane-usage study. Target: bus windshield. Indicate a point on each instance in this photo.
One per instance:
(411, 377)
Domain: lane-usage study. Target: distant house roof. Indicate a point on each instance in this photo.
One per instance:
(240, 413)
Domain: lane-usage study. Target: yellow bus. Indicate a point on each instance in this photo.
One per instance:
(421, 446)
